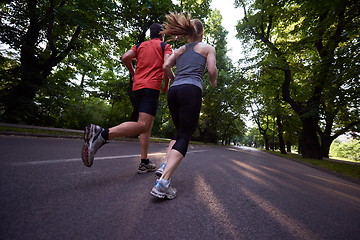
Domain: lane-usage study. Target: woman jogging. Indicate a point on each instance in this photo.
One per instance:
(185, 93)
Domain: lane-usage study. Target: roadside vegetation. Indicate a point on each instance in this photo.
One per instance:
(348, 150)
(5, 130)
(344, 168)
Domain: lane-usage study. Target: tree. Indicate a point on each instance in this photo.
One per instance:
(263, 121)
(44, 33)
(222, 106)
(306, 40)
(252, 138)
(267, 109)
(47, 37)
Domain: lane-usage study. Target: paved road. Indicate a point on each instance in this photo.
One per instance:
(223, 193)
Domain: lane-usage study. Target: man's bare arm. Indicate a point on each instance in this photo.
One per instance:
(127, 58)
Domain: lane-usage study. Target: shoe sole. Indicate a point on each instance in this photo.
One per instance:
(145, 171)
(157, 194)
(170, 197)
(85, 155)
(85, 148)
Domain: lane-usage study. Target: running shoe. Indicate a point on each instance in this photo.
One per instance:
(144, 168)
(93, 141)
(161, 191)
(160, 170)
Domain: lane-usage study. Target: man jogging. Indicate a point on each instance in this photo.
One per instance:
(147, 78)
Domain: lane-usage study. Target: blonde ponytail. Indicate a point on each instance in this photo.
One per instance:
(180, 26)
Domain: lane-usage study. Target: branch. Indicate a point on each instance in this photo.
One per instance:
(319, 40)
(269, 27)
(55, 59)
(286, 68)
(345, 129)
(71, 45)
(28, 41)
(336, 38)
(51, 19)
(319, 131)
(32, 33)
(245, 12)
(262, 20)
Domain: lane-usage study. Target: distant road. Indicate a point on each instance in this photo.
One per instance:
(223, 193)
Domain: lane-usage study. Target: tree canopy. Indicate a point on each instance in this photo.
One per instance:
(306, 45)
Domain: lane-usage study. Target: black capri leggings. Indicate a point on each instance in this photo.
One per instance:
(184, 104)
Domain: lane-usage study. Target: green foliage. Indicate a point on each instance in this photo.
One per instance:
(43, 34)
(78, 114)
(342, 168)
(307, 53)
(197, 8)
(349, 149)
(252, 138)
(74, 55)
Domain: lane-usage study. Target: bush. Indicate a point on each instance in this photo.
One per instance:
(349, 149)
(78, 114)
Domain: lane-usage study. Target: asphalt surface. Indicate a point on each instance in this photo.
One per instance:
(223, 193)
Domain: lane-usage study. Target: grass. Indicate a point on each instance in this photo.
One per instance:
(342, 168)
(66, 134)
(344, 159)
(39, 132)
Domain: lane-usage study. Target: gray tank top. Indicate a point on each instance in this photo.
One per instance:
(190, 67)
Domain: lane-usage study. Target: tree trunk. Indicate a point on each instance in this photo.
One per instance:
(288, 146)
(266, 139)
(310, 144)
(281, 135)
(299, 146)
(325, 146)
(18, 104)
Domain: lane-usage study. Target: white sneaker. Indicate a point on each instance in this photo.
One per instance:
(161, 191)
(93, 141)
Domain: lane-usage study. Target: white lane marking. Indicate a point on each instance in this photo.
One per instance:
(96, 159)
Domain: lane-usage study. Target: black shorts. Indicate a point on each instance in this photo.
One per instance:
(147, 100)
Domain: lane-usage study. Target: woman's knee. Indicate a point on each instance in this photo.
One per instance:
(181, 145)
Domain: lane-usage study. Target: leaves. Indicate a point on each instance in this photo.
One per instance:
(300, 56)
